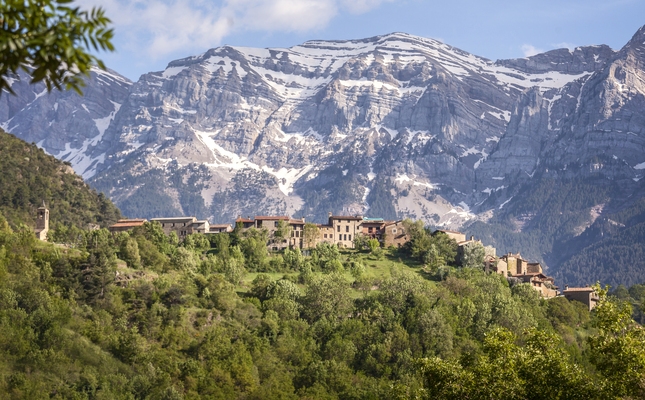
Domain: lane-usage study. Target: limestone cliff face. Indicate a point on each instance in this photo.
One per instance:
(65, 124)
(394, 126)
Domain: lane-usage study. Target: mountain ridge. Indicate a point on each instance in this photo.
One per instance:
(395, 124)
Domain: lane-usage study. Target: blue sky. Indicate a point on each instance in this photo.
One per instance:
(151, 33)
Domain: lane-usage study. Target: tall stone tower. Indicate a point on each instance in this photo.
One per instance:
(42, 222)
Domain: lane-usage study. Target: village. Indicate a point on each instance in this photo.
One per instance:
(343, 230)
(286, 232)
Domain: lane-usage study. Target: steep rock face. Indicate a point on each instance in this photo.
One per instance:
(66, 125)
(574, 160)
(548, 149)
(320, 126)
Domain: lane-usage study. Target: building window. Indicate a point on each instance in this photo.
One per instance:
(338, 228)
(275, 224)
(163, 225)
(394, 230)
(347, 228)
(345, 237)
(370, 229)
(173, 224)
(350, 237)
(325, 236)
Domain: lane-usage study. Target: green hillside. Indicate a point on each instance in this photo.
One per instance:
(139, 315)
(29, 176)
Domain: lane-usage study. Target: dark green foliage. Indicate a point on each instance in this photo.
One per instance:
(182, 323)
(29, 177)
(51, 41)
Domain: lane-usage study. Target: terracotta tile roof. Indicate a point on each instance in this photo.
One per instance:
(243, 220)
(296, 221)
(128, 223)
(267, 217)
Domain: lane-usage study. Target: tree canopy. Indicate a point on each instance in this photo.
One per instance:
(51, 40)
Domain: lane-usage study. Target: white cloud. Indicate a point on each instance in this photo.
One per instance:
(530, 50)
(564, 45)
(158, 28)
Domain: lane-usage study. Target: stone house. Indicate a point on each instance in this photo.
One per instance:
(345, 229)
(42, 222)
(545, 285)
(245, 223)
(531, 272)
(220, 228)
(124, 225)
(271, 224)
(497, 265)
(394, 234)
(586, 295)
(373, 228)
(297, 232)
(182, 226)
(325, 234)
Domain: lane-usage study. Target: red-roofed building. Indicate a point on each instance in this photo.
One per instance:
(124, 225)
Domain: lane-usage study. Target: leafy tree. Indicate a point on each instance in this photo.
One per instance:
(183, 260)
(51, 41)
(618, 350)
(310, 234)
(473, 255)
(233, 269)
(255, 252)
(282, 233)
(293, 259)
(326, 296)
(373, 245)
(129, 252)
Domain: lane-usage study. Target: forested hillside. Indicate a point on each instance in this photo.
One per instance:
(28, 177)
(140, 315)
(556, 222)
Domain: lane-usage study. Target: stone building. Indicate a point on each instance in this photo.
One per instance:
(124, 225)
(373, 228)
(532, 273)
(297, 232)
(182, 226)
(42, 222)
(244, 223)
(586, 295)
(220, 228)
(345, 229)
(325, 234)
(394, 234)
(497, 265)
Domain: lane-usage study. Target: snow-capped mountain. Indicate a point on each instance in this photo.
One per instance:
(548, 149)
(65, 125)
(390, 126)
